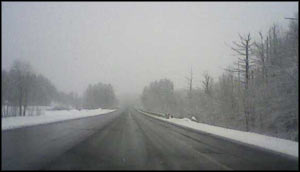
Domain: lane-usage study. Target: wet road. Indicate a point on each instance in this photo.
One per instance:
(31, 148)
(133, 141)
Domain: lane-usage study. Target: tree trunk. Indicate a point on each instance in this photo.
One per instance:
(20, 105)
(246, 86)
(246, 114)
(24, 110)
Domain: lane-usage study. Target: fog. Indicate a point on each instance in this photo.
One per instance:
(187, 85)
(130, 44)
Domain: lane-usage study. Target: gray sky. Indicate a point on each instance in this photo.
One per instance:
(130, 44)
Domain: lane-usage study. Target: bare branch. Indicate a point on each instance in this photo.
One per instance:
(238, 45)
(238, 51)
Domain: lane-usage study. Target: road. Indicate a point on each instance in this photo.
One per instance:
(31, 148)
(132, 141)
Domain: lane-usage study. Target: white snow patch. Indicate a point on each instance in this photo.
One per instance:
(194, 118)
(272, 143)
(49, 117)
(184, 119)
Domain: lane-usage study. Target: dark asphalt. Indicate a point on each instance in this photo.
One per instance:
(31, 148)
(134, 141)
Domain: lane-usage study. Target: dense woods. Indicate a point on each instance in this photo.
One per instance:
(99, 95)
(159, 96)
(24, 92)
(258, 93)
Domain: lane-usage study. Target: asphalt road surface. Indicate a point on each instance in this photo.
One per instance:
(131, 140)
(31, 148)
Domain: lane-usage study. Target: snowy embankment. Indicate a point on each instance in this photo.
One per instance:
(49, 117)
(272, 143)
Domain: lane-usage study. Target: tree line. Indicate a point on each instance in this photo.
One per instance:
(257, 93)
(99, 95)
(23, 88)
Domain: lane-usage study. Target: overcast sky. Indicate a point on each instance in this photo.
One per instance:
(130, 44)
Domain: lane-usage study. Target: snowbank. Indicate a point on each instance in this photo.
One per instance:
(49, 117)
(272, 143)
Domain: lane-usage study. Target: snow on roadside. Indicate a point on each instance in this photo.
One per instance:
(272, 143)
(49, 117)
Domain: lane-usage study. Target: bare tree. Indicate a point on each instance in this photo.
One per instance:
(261, 56)
(21, 72)
(190, 92)
(242, 49)
(207, 83)
(190, 84)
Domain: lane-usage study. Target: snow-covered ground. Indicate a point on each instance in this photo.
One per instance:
(272, 143)
(50, 116)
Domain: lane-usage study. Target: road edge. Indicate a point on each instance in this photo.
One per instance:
(224, 138)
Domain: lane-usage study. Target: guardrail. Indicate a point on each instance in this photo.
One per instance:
(155, 113)
(168, 116)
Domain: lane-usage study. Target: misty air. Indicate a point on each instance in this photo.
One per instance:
(150, 86)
